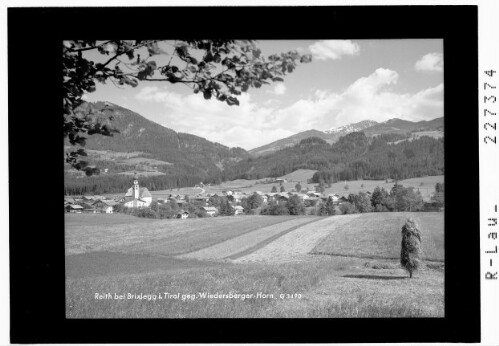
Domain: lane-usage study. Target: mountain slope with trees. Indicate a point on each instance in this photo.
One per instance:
(355, 156)
(402, 128)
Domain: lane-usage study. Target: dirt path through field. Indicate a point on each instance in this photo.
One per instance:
(248, 241)
(295, 245)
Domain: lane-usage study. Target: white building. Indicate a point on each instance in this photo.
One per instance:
(238, 210)
(210, 211)
(137, 197)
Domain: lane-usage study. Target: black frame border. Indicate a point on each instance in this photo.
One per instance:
(37, 273)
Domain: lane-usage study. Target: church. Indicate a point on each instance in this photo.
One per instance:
(137, 197)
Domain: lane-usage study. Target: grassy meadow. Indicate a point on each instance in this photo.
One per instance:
(339, 266)
(377, 235)
(129, 234)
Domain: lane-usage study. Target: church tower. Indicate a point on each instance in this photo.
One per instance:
(135, 187)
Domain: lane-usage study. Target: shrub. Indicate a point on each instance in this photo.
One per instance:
(165, 211)
(361, 201)
(406, 199)
(410, 254)
(145, 212)
(380, 208)
(327, 209)
(254, 201)
(295, 206)
(275, 209)
(348, 208)
(226, 209)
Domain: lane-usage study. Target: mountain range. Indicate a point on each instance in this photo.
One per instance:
(370, 127)
(175, 159)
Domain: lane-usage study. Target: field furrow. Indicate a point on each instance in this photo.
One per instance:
(297, 244)
(247, 241)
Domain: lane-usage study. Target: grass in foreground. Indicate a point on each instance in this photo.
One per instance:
(377, 235)
(328, 288)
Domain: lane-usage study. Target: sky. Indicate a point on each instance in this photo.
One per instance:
(347, 81)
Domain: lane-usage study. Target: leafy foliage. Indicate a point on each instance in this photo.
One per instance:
(219, 69)
(328, 208)
(361, 201)
(406, 198)
(295, 206)
(254, 201)
(225, 208)
(380, 199)
(274, 208)
(348, 208)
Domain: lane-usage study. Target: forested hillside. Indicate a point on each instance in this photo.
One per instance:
(354, 156)
(186, 159)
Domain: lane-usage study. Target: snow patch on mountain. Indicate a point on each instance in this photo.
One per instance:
(352, 127)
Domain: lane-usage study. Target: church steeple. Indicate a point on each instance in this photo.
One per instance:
(136, 187)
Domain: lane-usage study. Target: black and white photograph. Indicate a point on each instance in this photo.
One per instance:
(256, 174)
(254, 178)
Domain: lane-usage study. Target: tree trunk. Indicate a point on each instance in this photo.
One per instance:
(410, 274)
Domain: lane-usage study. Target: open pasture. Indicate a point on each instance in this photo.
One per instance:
(261, 257)
(425, 185)
(128, 234)
(378, 235)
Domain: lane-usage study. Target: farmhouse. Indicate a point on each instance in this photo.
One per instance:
(182, 214)
(69, 200)
(210, 211)
(334, 197)
(280, 180)
(73, 208)
(238, 210)
(237, 197)
(137, 197)
(104, 206)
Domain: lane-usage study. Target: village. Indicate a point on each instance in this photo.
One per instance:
(310, 200)
(140, 197)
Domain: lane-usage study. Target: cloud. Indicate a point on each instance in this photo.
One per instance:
(253, 124)
(432, 62)
(279, 89)
(333, 49)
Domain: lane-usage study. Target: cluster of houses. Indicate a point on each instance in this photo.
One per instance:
(139, 197)
(89, 204)
(136, 197)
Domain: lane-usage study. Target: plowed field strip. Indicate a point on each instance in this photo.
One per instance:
(265, 242)
(297, 244)
(248, 240)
